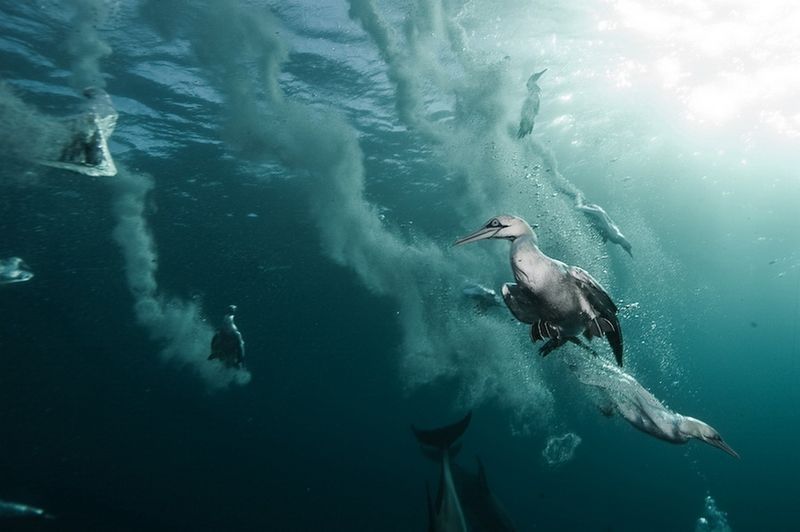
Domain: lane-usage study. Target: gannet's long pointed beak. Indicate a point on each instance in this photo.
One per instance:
(719, 444)
(480, 234)
(694, 428)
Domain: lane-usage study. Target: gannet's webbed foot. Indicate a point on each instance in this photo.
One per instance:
(551, 345)
(543, 329)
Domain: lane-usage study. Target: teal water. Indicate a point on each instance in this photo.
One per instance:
(312, 163)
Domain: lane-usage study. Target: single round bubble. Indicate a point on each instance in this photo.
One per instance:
(561, 449)
(14, 270)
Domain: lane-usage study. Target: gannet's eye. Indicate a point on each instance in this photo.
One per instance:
(494, 223)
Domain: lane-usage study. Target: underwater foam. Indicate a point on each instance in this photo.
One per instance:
(176, 324)
(85, 45)
(486, 357)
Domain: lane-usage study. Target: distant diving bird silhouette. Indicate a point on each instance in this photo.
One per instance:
(530, 107)
(227, 344)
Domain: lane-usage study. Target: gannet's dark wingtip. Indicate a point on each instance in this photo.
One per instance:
(615, 341)
(609, 327)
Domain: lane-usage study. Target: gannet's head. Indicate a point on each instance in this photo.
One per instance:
(503, 226)
(227, 320)
(694, 428)
(533, 79)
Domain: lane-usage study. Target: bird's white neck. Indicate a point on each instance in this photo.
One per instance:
(526, 242)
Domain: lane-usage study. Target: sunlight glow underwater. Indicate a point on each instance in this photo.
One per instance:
(724, 61)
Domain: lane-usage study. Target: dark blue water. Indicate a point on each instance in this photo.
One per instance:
(313, 168)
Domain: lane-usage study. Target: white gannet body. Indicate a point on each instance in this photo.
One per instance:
(641, 409)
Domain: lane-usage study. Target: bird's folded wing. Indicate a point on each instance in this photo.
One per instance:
(519, 303)
(597, 295)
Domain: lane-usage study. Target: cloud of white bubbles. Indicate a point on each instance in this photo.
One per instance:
(488, 356)
(177, 325)
(432, 62)
(465, 105)
(85, 46)
(501, 173)
(25, 133)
